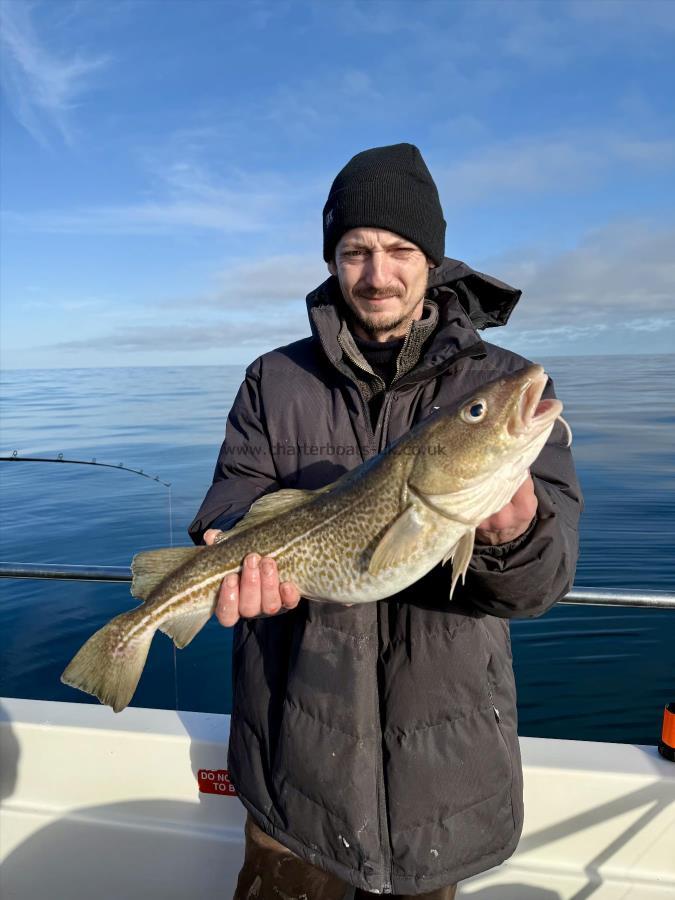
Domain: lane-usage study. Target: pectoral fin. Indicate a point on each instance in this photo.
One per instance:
(398, 542)
(460, 555)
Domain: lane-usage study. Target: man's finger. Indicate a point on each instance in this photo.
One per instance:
(211, 534)
(290, 595)
(525, 499)
(250, 601)
(269, 586)
(227, 608)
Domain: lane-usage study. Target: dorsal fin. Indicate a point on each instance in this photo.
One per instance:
(150, 568)
(270, 505)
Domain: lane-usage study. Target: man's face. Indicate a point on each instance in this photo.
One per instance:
(383, 277)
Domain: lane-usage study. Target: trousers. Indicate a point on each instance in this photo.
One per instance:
(272, 872)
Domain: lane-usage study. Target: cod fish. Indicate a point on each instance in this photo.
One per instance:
(368, 535)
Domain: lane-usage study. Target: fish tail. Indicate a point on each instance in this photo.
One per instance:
(109, 665)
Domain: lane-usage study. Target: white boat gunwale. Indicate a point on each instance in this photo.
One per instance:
(80, 781)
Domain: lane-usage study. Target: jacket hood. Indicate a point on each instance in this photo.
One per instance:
(486, 300)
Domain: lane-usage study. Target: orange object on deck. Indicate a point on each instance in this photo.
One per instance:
(667, 742)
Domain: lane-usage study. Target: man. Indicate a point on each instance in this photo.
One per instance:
(376, 745)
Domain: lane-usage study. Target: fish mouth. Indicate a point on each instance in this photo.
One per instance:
(532, 413)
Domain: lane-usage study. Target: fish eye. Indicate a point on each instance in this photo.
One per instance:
(475, 411)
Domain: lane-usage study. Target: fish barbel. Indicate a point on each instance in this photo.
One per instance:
(370, 534)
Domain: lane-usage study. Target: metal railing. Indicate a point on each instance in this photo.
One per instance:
(577, 596)
(65, 573)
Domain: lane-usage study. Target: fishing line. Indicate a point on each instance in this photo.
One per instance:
(170, 520)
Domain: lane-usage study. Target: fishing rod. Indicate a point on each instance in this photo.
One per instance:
(62, 460)
(81, 462)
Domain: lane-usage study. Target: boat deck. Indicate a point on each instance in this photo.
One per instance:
(108, 806)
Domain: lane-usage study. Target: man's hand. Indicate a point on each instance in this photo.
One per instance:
(257, 592)
(512, 520)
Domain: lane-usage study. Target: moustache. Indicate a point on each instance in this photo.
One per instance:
(378, 294)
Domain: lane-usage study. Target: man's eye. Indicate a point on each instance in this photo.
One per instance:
(352, 254)
(403, 252)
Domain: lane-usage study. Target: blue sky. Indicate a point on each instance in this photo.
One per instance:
(165, 163)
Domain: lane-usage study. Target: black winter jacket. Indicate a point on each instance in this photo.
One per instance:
(379, 741)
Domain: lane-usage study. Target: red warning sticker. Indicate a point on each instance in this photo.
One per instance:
(215, 781)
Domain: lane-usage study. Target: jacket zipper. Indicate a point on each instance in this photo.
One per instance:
(385, 413)
(379, 446)
(496, 712)
(385, 839)
(383, 823)
(385, 843)
(492, 701)
(375, 447)
(364, 405)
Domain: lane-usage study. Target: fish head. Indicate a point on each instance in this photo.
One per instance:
(482, 449)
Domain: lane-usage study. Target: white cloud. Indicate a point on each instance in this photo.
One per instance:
(546, 164)
(656, 323)
(537, 38)
(258, 304)
(658, 152)
(261, 284)
(261, 13)
(626, 15)
(188, 196)
(41, 88)
(359, 85)
(619, 276)
(375, 17)
(543, 34)
(260, 331)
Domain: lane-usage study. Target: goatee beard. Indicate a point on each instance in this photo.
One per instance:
(374, 328)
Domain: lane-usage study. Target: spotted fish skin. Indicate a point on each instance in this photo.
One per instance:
(369, 535)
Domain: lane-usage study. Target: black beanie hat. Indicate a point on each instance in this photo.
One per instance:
(386, 187)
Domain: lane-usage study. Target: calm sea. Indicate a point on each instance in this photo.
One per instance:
(587, 673)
